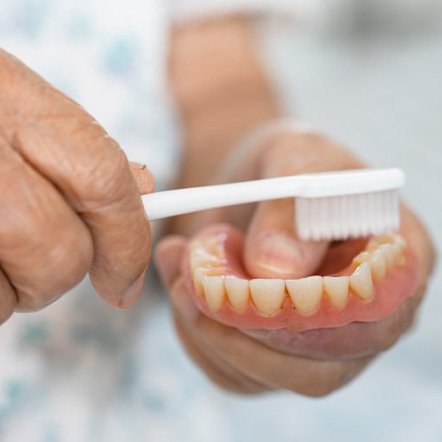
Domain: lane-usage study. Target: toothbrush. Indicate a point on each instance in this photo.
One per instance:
(328, 205)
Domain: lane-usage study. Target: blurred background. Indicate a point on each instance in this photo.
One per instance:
(369, 74)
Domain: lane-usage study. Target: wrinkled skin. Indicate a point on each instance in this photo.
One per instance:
(255, 363)
(69, 204)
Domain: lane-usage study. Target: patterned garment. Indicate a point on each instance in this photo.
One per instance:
(81, 372)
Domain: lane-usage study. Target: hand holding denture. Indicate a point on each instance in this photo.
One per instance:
(259, 309)
(69, 203)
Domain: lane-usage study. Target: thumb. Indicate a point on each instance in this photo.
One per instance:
(272, 247)
(168, 257)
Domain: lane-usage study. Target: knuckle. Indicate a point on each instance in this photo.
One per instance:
(323, 379)
(321, 390)
(19, 219)
(62, 265)
(104, 182)
(70, 258)
(33, 301)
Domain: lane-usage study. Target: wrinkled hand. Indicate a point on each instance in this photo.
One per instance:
(242, 363)
(69, 203)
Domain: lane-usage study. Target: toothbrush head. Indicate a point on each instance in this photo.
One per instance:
(349, 204)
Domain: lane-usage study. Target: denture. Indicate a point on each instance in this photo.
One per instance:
(368, 288)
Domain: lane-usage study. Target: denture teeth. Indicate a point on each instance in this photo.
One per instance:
(305, 293)
(198, 276)
(397, 251)
(337, 289)
(378, 265)
(209, 264)
(361, 258)
(214, 291)
(372, 245)
(388, 253)
(238, 293)
(267, 295)
(401, 242)
(361, 282)
(203, 259)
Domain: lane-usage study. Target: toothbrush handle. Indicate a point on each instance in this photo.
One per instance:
(193, 199)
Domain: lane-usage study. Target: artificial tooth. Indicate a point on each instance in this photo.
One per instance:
(377, 241)
(337, 290)
(204, 259)
(212, 245)
(378, 265)
(268, 295)
(397, 250)
(238, 293)
(305, 293)
(195, 246)
(389, 255)
(372, 245)
(214, 291)
(384, 239)
(361, 258)
(198, 276)
(401, 242)
(361, 282)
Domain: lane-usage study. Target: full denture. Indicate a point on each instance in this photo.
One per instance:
(370, 288)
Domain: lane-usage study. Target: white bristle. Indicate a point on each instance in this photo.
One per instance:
(349, 216)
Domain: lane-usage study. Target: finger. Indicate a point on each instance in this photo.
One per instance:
(8, 299)
(143, 177)
(63, 143)
(217, 371)
(168, 257)
(45, 248)
(420, 242)
(271, 368)
(169, 253)
(273, 247)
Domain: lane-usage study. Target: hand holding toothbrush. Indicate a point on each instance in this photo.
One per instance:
(69, 203)
(259, 309)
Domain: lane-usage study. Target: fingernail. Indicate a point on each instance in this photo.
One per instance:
(132, 293)
(279, 254)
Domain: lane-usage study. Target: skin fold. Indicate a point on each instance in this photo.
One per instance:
(314, 362)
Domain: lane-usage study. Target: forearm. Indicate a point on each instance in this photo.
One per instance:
(220, 89)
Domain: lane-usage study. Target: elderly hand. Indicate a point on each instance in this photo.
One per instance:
(245, 347)
(69, 203)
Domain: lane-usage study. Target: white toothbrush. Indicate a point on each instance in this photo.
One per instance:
(328, 206)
